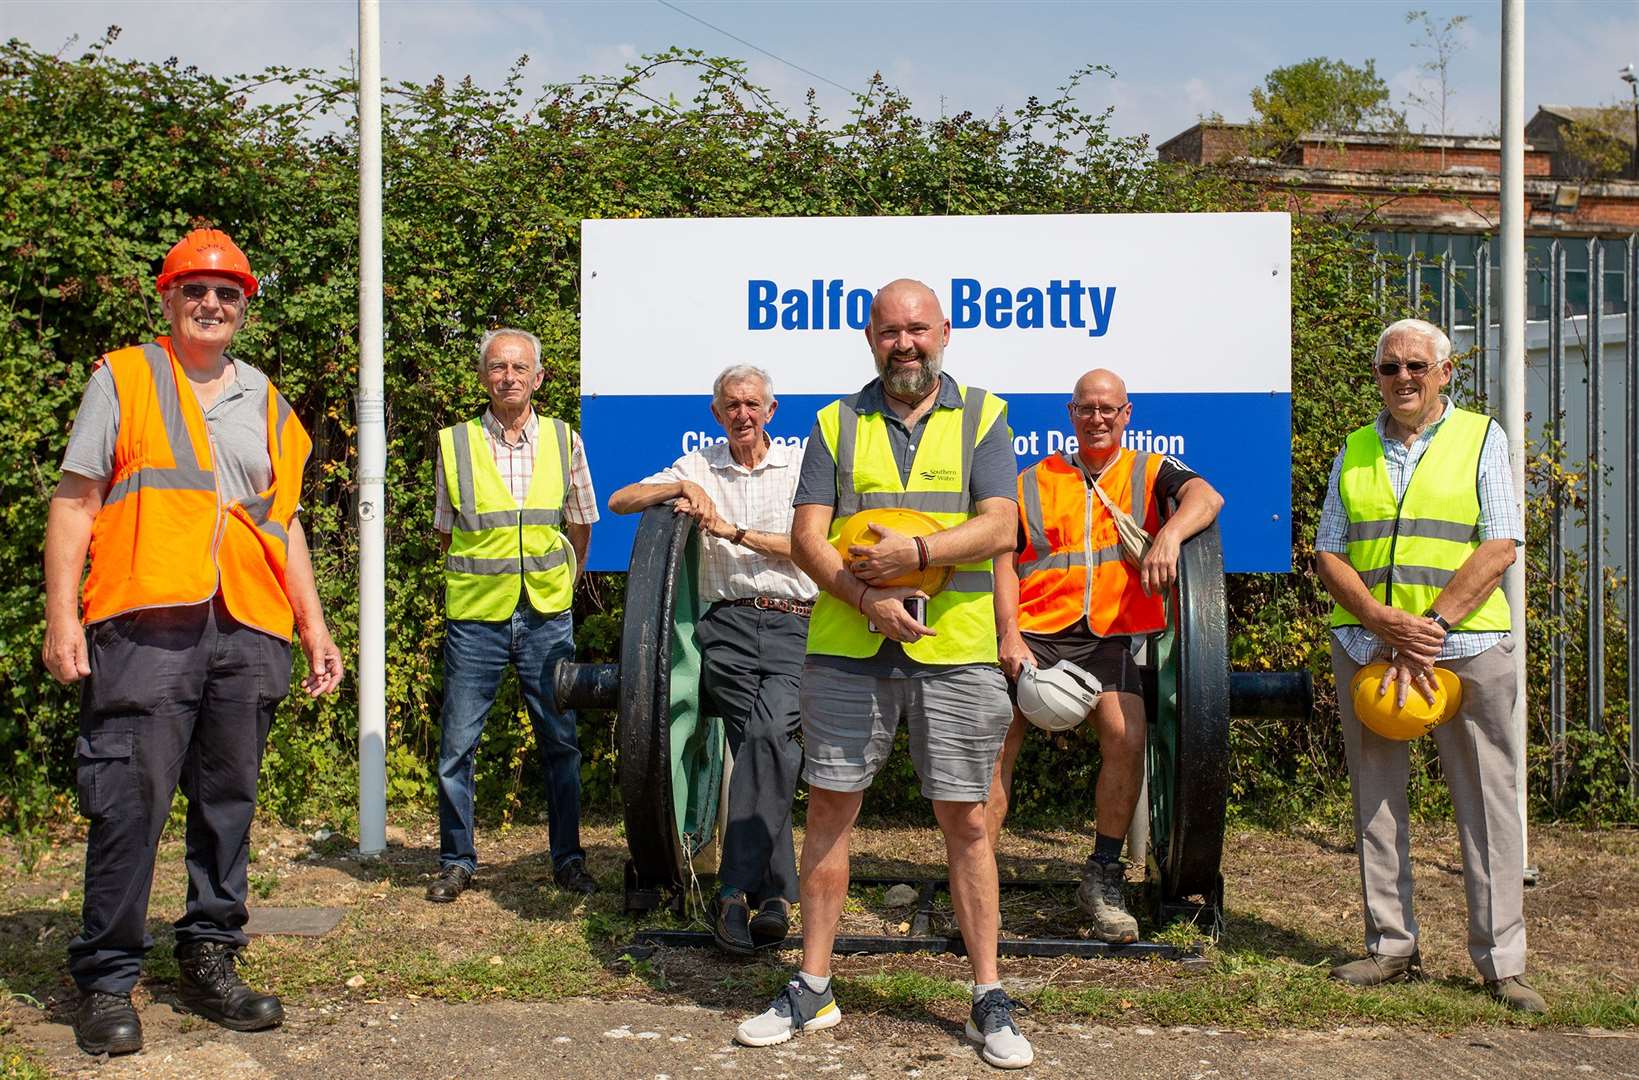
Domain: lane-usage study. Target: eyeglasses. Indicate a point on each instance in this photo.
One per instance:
(227, 294)
(1415, 368)
(1107, 412)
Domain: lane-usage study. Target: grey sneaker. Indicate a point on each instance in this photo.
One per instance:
(1517, 994)
(795, 1010)
(1100, 896)
(1375, 969)
(992, 1026)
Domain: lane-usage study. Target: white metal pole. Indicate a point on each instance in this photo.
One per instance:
(372, 422)
(1513, 342)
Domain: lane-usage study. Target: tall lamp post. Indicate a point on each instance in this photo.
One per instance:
(1633, 84)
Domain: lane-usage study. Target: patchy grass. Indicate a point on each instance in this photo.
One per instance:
(1293, 911)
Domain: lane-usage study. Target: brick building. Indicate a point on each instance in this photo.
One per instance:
(1435, 198)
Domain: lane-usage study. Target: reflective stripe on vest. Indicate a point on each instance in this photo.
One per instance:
(499, 550)
(1071, 567)
(963, 614)
(162, 537)
(1406, 551)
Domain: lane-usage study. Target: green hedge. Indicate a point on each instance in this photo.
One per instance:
(109, 161)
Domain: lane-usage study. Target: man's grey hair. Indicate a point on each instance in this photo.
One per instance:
(508, 331)
(739, 373)
(1426, 330)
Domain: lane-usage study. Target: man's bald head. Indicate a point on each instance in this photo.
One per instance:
(907, 333)
(906, 289)
(1101, 382)
(1099, 409)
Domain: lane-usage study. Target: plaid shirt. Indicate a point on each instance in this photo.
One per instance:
(1500, 518)
(517, 465)
(758, 499)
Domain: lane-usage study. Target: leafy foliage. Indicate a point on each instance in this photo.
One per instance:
(1321, 94)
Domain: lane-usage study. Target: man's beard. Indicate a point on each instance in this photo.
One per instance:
(913, 383)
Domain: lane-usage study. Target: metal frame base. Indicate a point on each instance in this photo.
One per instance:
(640, 899)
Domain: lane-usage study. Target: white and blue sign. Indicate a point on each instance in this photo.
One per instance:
(1192, 310)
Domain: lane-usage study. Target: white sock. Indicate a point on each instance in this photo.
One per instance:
(817, 983)
(981, 989)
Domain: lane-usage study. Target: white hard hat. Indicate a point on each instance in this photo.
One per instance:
(1058, 698)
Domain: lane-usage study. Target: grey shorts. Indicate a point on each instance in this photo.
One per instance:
(957, 723)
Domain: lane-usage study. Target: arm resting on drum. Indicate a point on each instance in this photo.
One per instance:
(988, 533)
(1198, 506)
(1474, 580)
(634, 497)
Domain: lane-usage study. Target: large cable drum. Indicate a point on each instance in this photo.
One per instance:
(1188, 751)
(670, 764)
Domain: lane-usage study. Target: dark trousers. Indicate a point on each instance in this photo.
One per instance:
(179, 695)
(751, 668)
(476, 655)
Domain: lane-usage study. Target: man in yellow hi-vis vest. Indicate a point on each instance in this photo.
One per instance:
(514, 508)
(915, 439)
(1421, 518)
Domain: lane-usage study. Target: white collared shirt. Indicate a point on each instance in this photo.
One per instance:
(757, 499)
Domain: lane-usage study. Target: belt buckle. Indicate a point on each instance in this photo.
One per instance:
(763, 603)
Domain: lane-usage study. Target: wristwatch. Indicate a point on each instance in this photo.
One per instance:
(1437, 617)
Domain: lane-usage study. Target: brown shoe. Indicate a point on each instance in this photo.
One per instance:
(1375, 969)
(1515, 993)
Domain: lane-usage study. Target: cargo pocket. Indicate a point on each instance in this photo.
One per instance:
(104, 773)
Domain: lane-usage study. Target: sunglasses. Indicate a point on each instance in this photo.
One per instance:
(1415, 368)
(227, 294)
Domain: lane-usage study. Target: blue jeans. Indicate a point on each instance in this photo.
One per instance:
(476, 655)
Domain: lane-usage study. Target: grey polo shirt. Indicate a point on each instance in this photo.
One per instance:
(236, 423)
(994, 476)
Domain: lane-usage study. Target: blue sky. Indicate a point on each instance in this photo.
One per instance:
(1175, 60)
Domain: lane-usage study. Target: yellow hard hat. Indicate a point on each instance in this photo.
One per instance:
(1418, 717)
(856, 531)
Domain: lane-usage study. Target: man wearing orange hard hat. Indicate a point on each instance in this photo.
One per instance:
(182, 479)
(882, 651)
(1071, 593)
(1420, 521)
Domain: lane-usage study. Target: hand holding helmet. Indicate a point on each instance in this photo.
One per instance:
(1059, 698)
(879, 547)
(1392, 718)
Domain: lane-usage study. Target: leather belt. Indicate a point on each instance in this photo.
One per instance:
(771, 603)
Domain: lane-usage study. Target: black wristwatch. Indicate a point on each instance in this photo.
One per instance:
(1437, 617)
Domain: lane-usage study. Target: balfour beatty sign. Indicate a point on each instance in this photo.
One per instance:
(1191, 309)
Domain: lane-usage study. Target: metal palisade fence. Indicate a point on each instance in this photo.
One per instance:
(1582, 295)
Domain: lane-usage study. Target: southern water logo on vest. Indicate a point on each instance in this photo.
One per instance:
(835, 305)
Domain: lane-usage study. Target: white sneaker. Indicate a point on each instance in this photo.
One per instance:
(992, 1026)
(797, 1009)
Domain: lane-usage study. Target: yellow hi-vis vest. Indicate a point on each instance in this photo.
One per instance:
(963, 615)
(1406, 552)
(496, 546)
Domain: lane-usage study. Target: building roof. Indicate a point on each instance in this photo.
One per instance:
(1588, 115)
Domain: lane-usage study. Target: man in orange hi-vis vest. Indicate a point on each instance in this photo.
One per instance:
(181, 478)
(1069, 594)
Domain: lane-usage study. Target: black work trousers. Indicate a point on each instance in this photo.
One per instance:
(176, 695)
(751, 668)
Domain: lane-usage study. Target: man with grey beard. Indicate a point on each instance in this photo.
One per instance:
(914, 439)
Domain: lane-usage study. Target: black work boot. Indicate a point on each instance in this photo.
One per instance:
(212, 988)
(107, 1024)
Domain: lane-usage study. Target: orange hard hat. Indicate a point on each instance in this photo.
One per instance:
(207, 251)
(857, 530)
(1417, 716)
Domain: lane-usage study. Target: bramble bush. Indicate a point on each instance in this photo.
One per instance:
(110, 160)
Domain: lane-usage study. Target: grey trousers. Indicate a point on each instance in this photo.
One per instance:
(751, 664)
(1479, 749)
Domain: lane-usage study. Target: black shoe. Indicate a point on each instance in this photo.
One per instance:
(453, 879)
(731, 929)
(212, 988)
(107, 1024)
(572, 877)
(772, 923)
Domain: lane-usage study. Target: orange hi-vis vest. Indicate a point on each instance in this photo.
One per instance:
(163, 537)
(1071, 565)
